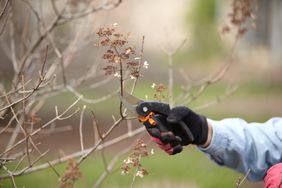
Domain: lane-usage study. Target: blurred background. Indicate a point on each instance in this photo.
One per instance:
(191, 28)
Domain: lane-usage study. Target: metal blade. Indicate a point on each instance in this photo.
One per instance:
(130, 102)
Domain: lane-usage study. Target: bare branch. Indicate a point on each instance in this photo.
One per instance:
(90, 11)
(110, 167)
(80, 128)
(38, 41)
(58, 117)
(83, 155)
(12, 44)
(228, 92)
(92, 101)
(96, 131)
(50, 165)
(46, 131)
(11, 176)
(241, 181)
(39, 82)
(4, 8)
(170, 54)
(140, 64)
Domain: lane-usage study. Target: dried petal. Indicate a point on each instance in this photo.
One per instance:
(146, 65)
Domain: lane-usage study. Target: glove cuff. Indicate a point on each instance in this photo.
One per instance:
(202, 138)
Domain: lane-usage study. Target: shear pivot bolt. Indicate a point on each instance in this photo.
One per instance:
(145, 109)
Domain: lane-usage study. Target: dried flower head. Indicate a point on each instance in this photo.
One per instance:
(160, 91)
(241, 15)
(118, 55)
(146, 65)
(134, 160)
(71, 174)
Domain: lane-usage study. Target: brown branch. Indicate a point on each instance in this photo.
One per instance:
(96, 131)
(121, 80)
(9, 123)
(23, 126)
(215, 78)
(21, 160)
(11, 176)
(57, 52)
(21, 172)
(92, 10)
(241, 181)
(105, 161)
(58, 117)
(54, 7)
(4, 8)
(50, 165)
(12, 44)
(14, 91)
(37, 42)
(170, 54)
(4, 24)
(92, 101)
(228, 92)
(19, 127)
(140, 64)
(83, 155)
(40, 81)
(110, 167)
(52, 129)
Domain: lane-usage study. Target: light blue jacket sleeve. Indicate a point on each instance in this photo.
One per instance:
(246, 146)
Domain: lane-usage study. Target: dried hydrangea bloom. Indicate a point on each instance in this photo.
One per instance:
(118, 54)
(133, 161)
(241, 15)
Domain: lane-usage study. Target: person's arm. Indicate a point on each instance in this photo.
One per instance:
(230, 142)
(245, 146)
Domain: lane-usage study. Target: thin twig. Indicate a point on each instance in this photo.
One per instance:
(84, 154)
(105, 161)
(170, 54)
(92, 101)
(80, 128)
(218, 99)
(43, 156)
(58, 117)
(95, 128)
(34, 46)
(11, 176)
(12, 44)
(52, 129)
(82, 158)
(110, 167)
(215, 78)
(23, 126)
(241, 181)
(90, 11)
(37, 86)
(4, 9)
(140, 64)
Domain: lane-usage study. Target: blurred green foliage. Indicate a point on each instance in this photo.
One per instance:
(205, 37)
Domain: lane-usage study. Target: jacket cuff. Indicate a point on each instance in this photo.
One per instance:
(218, 144)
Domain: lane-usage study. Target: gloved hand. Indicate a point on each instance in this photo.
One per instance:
(172, 137)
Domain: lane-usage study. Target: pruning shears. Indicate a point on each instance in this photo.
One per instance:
(147, 111)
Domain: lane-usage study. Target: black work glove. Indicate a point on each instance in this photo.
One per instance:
(170, 136)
